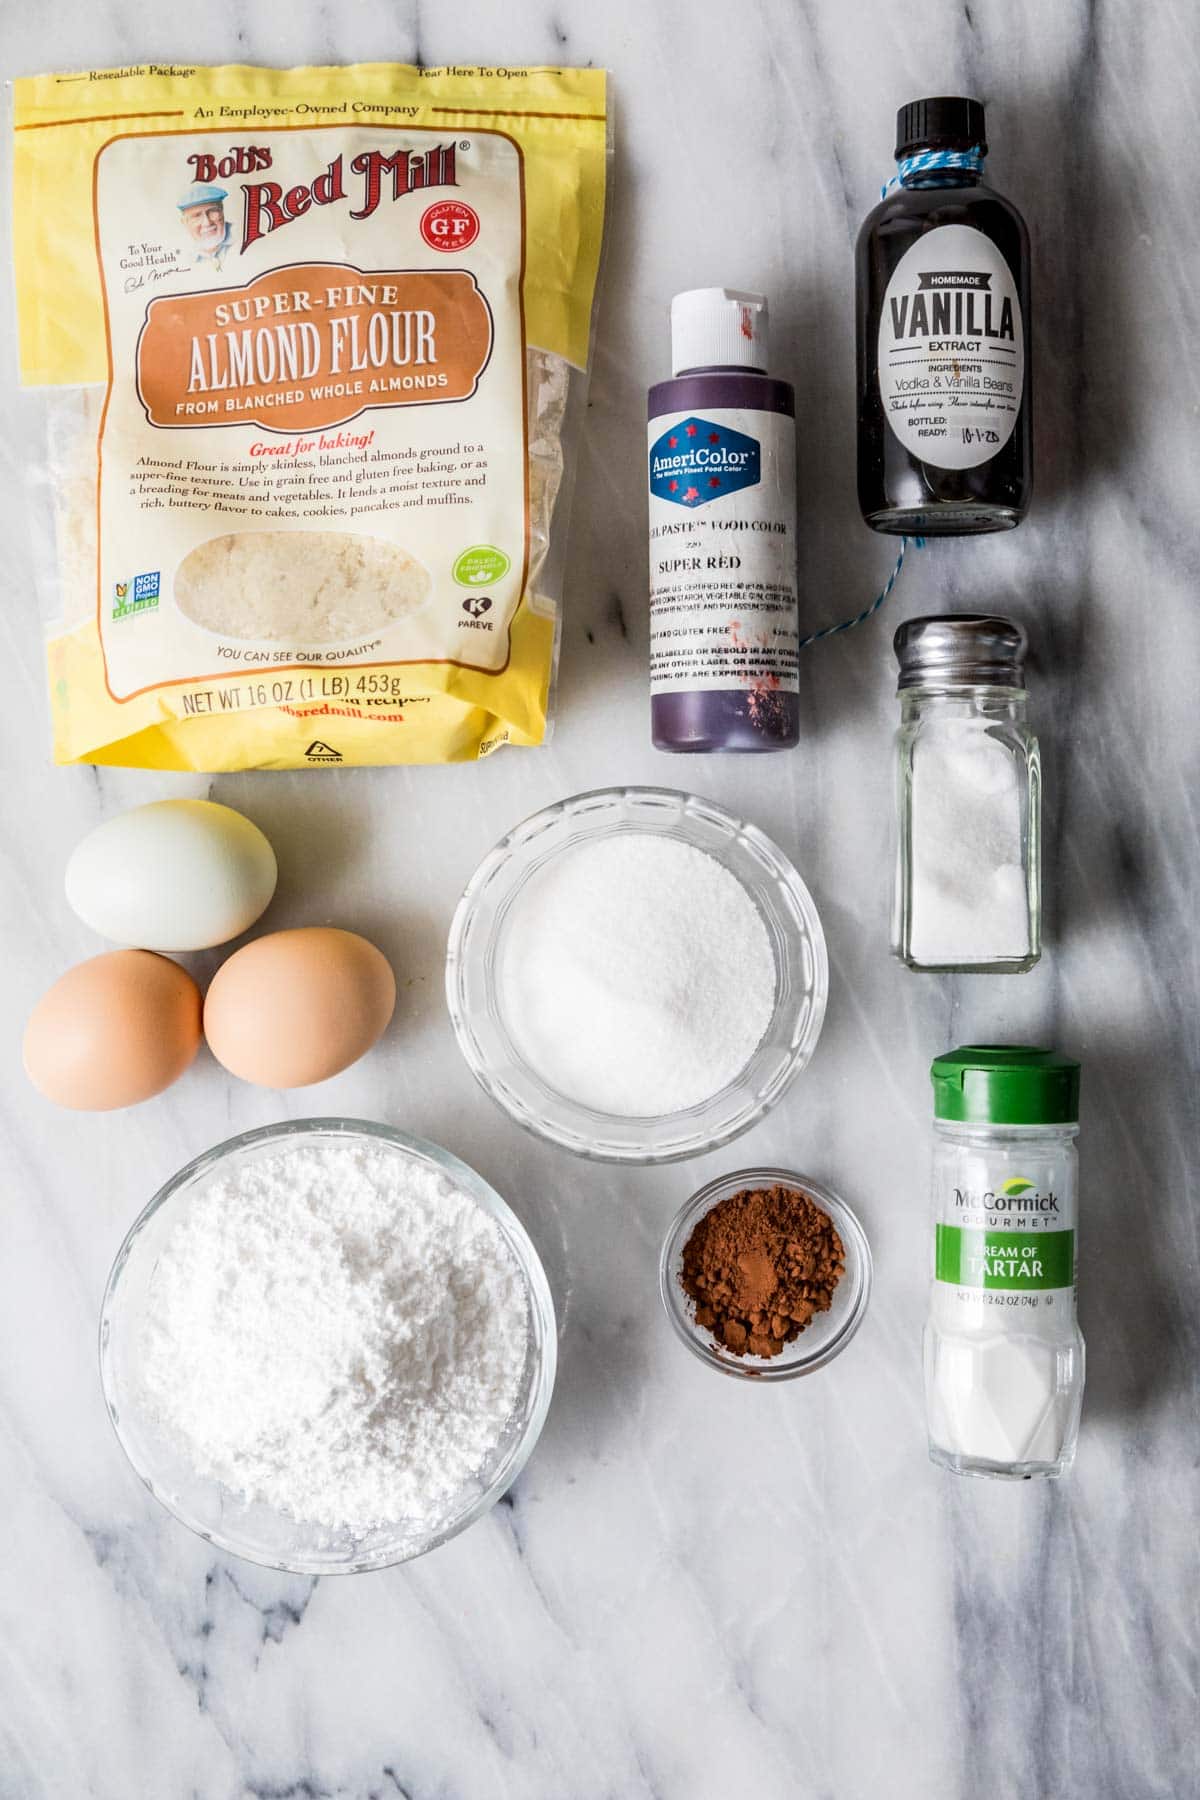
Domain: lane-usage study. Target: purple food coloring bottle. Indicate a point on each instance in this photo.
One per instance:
(724, 626)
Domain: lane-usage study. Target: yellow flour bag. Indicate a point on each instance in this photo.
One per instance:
(314, 345)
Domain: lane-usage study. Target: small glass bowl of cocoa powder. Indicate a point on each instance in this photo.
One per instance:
(765, 1274)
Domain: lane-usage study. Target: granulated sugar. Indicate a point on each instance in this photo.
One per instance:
(337, 1331)
(637, 976)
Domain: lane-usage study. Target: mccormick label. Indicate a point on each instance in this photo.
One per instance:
(952, 349)
(1013, 1238)
(723, 553)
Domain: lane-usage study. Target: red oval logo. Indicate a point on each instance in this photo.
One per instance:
(449, 225)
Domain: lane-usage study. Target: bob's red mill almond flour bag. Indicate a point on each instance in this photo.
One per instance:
(314, 345)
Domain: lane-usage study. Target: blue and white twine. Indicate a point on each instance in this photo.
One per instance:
(868, 611)
(912, 169)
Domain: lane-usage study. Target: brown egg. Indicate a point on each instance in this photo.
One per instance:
(113, 1031)
(297, 1006)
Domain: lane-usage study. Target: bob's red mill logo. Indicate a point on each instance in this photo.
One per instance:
(367, 180)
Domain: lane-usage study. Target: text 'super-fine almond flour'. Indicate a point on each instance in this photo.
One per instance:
(314, 343)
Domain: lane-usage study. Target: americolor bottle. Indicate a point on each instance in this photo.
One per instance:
(724, 627)
(944, 403)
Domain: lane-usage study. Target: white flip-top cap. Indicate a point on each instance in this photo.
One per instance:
(718, 328)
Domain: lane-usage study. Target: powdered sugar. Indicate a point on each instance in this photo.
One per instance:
(637, 975)
(337, 1331)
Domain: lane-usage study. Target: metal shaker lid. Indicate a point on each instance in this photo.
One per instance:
(976, 649)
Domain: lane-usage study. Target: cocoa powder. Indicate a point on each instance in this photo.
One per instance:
(759, 1266)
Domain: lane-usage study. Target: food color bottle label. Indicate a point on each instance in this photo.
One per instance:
(952, 349)
(723, 553)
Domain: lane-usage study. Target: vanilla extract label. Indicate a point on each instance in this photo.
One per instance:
(951, 351)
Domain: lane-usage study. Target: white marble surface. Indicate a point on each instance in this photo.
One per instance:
(698, 1589)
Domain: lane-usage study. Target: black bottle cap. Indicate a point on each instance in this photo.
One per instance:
(946, 123)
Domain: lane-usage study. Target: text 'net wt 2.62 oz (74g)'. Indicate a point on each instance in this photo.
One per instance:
(312, 346)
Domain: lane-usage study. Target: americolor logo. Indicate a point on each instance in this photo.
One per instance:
(699, 460)
(366, 180)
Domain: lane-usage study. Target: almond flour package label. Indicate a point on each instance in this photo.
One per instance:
(313, 346)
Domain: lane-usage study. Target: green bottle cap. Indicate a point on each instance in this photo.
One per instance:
(1006, 1084)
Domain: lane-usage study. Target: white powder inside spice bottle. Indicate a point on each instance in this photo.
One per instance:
(969, 898)
(337, 1331)
(636, 975)
(1002, 1399)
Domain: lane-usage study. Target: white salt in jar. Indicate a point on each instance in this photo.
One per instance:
(968, 799)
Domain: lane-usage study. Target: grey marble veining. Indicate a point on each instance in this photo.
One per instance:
(698, 1590)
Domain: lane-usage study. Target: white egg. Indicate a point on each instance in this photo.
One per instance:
(173, 875)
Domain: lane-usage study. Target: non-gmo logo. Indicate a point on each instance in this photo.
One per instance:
(137, 596)
(318, 751)
(699, 460)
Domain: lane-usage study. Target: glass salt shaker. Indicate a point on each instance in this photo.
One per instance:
(968, 799)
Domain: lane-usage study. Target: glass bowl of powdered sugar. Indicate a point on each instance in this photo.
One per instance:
(327, 1346)
(636, 975)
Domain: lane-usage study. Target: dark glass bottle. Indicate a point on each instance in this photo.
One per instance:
(944, 400)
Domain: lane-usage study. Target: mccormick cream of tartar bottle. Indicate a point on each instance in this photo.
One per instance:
(1003, 1351)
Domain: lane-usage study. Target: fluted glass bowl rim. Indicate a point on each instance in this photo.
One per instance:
(472, 977)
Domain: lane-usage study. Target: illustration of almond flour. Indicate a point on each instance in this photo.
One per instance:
(299, 587)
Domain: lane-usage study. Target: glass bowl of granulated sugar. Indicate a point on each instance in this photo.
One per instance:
(636, 975)
(327, 1346)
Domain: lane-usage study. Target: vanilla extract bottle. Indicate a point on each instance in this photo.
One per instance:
(944, 402)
